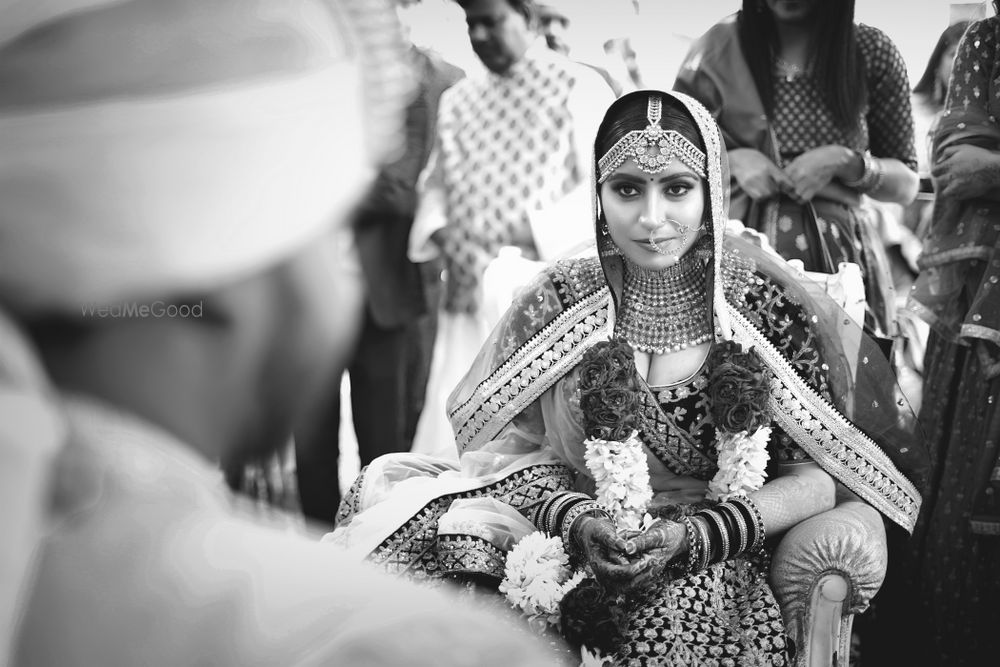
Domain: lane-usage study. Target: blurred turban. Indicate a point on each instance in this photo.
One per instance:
(152, 147)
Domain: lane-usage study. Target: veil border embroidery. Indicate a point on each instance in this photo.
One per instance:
(829, 438)
(535, 367)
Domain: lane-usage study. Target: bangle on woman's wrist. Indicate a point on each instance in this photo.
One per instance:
(871, 175)
(728, 530)
(583, 508)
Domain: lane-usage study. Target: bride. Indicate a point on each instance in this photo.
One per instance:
(714, 352)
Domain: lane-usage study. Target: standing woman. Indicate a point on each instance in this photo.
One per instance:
(955, 554)
(827, 120)
(930, 91)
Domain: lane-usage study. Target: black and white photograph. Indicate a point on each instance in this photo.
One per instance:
(499, 333)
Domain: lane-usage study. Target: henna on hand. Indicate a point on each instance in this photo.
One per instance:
(604, 550)
(656, 549)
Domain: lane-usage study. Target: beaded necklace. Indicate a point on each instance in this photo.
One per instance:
(665, 310)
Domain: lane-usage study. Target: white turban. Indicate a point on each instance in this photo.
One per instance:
(150, 147)
(143, 153)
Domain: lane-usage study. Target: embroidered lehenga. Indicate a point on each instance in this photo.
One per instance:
(519, 432)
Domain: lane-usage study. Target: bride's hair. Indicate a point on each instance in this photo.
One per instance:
(629, 113)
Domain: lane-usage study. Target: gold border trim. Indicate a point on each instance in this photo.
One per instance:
(843, 441)
(528, 373)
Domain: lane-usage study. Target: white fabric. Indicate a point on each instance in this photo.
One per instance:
(144, 197)
(31, 434)
(20, 16)
(151, 566)
(459, 337)
(498, 523)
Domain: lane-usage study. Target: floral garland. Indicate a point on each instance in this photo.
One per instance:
(537, 576)
(609, 400)
(740, 409)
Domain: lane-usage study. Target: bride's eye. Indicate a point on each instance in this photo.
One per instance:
(678, 189)
(626, 190)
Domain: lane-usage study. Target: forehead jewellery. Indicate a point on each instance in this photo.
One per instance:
(653, 148)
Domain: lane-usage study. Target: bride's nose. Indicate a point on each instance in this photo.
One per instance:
(652, 211)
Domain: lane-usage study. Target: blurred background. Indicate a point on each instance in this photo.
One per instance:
(660, 31)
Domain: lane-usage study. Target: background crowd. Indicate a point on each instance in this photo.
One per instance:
(474, 122)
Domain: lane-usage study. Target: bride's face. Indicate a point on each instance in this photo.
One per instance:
(654, 219)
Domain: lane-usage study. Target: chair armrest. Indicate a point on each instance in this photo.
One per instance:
(835, 560)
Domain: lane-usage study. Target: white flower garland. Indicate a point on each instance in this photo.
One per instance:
(621, 472)
(742, 464)
(537, 576)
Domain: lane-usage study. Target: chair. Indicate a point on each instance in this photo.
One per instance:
(823, 572)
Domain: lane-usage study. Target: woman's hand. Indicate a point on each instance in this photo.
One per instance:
(966, 172)
(757, 175)
(813, 170)
(654, 549)
(604, 550)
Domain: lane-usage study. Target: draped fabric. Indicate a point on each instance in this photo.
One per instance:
(948, 584)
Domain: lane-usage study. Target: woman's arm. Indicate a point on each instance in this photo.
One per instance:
(890, 122)
(884, 179)
(805, 491)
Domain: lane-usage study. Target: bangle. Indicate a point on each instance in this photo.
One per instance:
(694, 544)
(754, 521)
(871, 175)
(737, 525)
(717, 522)
(705, 555)
(578, 510)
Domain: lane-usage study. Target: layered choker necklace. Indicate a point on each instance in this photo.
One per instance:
(665, 310)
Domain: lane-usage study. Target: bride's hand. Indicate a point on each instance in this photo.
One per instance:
(654, 549)
(604, 550)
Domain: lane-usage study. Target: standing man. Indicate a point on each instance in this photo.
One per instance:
(389, 367)
(507, 169)
(174, 253)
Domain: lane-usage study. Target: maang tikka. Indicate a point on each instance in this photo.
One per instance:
(654, 148)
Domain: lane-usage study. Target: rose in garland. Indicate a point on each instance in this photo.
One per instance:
(738, 388)
(609, 395)
(592, 616)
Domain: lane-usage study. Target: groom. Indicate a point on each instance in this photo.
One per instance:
(168, 255)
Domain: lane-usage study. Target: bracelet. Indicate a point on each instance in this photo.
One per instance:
(694, 544)
(871, 175)
(754, 521)
(717, 522)
(706, 551)
(578, 510)
(547, 517)
(558, 510)
(737, 526)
